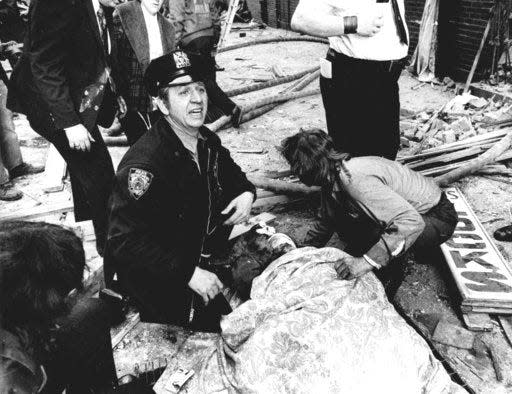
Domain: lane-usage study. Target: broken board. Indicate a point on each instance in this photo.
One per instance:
(483, 277)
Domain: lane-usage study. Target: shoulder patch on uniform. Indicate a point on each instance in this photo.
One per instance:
(138, 182)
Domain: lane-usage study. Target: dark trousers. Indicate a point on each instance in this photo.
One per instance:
(440, 223)
(219, 104)
(82, 361)
(91, 173)
(362, 106)
(92, 176)
(10, 153)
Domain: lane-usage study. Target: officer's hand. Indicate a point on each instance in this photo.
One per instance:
(206, 284)
(369, 24)
(349, 267)
(242, 208)
(79, 138)
(122, 108)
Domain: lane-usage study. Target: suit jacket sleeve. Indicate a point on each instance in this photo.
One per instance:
(50, 31)
(132, 238)
(120, 64)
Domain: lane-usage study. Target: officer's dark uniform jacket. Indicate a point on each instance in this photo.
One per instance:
(162, 212)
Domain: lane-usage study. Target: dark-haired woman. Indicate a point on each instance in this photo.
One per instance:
(48, 343)
(378, 207)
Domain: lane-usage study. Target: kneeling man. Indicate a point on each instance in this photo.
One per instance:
(379, 208)
(177, 195)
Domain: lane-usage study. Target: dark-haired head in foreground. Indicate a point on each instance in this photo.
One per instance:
(40, 263)
(47, 338)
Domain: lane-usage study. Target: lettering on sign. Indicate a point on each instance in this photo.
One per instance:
(480, 271)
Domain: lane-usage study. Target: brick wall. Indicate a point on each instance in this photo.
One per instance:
(461, 27)
(460, 30)
(413, 14)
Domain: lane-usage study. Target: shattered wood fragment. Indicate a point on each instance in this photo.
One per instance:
(474, 165)
(497, 362)
(452, 335)
(506, 324)
(478, 321)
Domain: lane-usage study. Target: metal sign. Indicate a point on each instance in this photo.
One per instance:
(483, 277)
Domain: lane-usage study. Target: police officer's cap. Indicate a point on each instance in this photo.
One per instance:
(165, 69)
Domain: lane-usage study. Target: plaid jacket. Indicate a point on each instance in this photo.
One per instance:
(131, 38)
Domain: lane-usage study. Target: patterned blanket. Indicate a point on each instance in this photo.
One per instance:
(305, 331)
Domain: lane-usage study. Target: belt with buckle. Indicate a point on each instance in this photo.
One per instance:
(389, 66)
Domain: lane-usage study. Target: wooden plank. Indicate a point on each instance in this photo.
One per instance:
(447, 157)
(232, 9)
(55, 171)
(481, 273)
(39, 211)
(275, 200)
(492, 310)
(277, 174)
(453, 335)
(506, 324)
(126, 328)
(478, 321)
(477, 56)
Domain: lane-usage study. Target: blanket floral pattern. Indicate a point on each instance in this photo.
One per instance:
(306, 331)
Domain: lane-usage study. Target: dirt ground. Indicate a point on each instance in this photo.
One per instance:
(424, 288)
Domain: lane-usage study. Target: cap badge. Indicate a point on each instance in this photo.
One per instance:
(181, 59)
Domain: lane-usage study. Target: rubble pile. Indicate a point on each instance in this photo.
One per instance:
(435, 142)
(462, 117)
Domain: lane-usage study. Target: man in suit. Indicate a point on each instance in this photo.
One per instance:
(141, 34)
(63, 84)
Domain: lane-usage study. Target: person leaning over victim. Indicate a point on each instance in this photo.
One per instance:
(176, 196)
(368, 45)
(378, 207)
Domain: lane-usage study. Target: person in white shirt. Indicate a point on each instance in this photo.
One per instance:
(359, 77)
(141, 34)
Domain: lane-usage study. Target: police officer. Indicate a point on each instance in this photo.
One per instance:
(176, 196)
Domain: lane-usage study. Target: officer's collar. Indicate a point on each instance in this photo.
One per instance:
(165, 129)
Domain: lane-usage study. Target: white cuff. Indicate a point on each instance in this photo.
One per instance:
(371, 262)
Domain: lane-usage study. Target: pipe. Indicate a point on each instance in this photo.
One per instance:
(270, 40)
(269, 84)
(279, 98)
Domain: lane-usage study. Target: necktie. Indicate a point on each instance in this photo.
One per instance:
(399, 22)
(103, 27)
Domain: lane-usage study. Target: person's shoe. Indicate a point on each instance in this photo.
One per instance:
(236, 117)
(504, 233)
(9, 193)
(25, 169)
